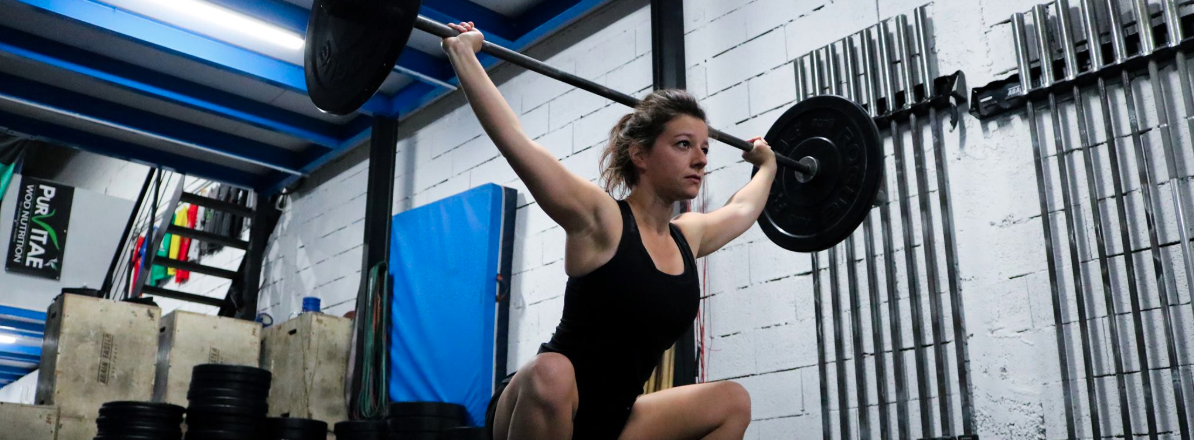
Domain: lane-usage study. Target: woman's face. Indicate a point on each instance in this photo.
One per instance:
(675, 166)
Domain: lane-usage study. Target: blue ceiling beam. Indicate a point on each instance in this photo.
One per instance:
(25, 321)
(122, 150)
(535, 24)
(35, 329)
(542, 13)
(178, 41)
(28, 351)
(16, 312)
(13, 372)
(187, 45)
(151, 83)
(213, 141)
(550, 16)
(489, 22)
(444, 16)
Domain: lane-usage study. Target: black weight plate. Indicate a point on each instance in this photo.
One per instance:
(141, 409)
(213, 409)
(205, 369)
(230, 381)
(353, 427)
(212, 422)
(251, 405)
(249, 394)
(405, 424)
(103, 421)
(219, 377)
(200, 415)
(464, 433)
(414, 436)
(363, 435)
(352, 47)
(222, 435)
(428, 409)
(137, 435)
(817, 214)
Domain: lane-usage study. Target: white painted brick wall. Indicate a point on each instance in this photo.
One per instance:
(759, 311)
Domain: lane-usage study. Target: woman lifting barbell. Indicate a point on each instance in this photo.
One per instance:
(631, 292)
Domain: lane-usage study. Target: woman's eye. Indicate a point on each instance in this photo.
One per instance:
(684, 144)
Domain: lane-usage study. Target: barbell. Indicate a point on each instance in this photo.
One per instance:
(352, 46)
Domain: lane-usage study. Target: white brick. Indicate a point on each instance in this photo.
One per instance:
(535, 122)
(765, 52)
(714, 38)
(632, 76)
(773, 89)
(774, 394)
(727, 107)
(594, 128)
(609, 54)
(572, 106)
(472, 153)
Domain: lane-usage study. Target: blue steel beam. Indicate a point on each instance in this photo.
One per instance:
(123, 150)
(213, 141)
(20, 353)
(490, 22)
(542, 13)
(154, 84)
(22, 325)
(13, 371)
(17, 312)
(547, 17)
(19, 358)
(543, 19)
(185, 44)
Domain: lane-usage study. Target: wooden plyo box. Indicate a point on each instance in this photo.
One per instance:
(28, 422)
(95, 351)
(308, 356)
(188, 339)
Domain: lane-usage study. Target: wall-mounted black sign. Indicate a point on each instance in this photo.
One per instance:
(38, 239)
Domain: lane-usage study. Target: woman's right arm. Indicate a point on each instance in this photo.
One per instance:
(577, 205)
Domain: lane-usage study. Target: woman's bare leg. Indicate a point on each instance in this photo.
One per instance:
(708, 411)
(540, 402)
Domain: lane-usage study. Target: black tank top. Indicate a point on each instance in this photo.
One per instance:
(619, 319)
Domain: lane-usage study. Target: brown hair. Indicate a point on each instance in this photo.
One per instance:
(641, 127)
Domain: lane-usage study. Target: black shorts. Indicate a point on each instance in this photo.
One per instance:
(596, 418)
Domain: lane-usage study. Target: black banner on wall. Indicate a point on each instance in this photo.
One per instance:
(38, 239)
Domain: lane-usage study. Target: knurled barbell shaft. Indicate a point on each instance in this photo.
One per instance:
(443, 31)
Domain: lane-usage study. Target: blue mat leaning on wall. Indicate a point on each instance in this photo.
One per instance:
(448, 260)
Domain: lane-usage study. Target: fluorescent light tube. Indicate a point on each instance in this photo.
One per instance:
(235, 22)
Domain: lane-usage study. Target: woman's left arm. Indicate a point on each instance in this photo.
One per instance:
(710, 231)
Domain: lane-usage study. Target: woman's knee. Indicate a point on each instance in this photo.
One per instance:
(550, 379)
(736, 399)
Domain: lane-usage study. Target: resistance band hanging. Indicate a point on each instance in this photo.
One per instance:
(370, 364)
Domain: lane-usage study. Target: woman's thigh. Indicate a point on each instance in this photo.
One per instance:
(687, 412)
(549, 373)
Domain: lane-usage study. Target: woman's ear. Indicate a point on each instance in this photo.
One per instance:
(638, 155)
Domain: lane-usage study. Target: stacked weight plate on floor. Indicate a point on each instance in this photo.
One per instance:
(280, 428)
(139, 421)
(227, 402)
(464, 433)
(424, 420)
(362, 430)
